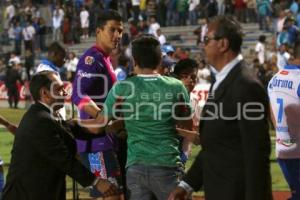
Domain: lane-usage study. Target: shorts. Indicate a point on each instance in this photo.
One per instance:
(291, 171)
(104, 165)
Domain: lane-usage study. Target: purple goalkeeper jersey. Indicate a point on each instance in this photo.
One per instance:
(93, 80)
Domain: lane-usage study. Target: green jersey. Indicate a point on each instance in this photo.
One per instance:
(150, 105)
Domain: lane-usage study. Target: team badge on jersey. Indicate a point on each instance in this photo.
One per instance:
(283, 72)
(89, 60)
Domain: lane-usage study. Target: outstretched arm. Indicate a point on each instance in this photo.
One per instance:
(9, 126)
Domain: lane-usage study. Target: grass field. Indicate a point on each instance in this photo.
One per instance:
(6, 141)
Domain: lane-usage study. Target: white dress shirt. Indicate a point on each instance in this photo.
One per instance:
(221, 75)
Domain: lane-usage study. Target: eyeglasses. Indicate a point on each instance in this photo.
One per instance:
(206, 39)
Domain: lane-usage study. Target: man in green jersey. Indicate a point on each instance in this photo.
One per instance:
(151, 106)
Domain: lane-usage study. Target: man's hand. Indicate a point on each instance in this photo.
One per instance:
(191, 136)
(12, 128)
(107, 188)
(178, 194)
(115, 126)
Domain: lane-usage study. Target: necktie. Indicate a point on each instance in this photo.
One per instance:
(212, 82)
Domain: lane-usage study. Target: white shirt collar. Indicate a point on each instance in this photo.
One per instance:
(221, 75)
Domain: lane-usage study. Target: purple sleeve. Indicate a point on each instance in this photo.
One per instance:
(88, 68)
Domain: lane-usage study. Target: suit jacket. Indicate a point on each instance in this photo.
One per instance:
(234, 161)
(43, 153)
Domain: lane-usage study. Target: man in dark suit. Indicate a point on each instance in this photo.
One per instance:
(234, 161)
(44, 148)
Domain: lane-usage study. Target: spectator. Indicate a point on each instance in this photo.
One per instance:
(182, 9)
(10, 11)
(151, 8)
(10, 32)
(171, 13)
(168, 53)
(18, 37)
(14, 59)
(84, 21)
(2, 70)
(122, 69)
(28, 33)
(260, 72)
(42, 33)
(22, 72)
(200, 92)
(143, 27)
(29, 62)
(143, 9)
(186, 71)
(240, 10)
(133, 29)
(55, 59)
(71, 65)
(56, 25)
(282, 37)
(251, 11)
(283, 56)
(136, 10)
(292, 29)
(281, 21)
(161, 37)
(294, 8)
(37, 39)
(161, 12)
(263, 9)
(66, 31)
(154, 26)
(54, 62)
(12, 77)
(211, 8)
(193, 9)
(260, 49)
(180, 54)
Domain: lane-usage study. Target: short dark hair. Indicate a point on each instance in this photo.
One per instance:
(296, 49)
(55, 48)
(146, 51)
(262, 38)
(183, 66)
(227, 27)
(123, 60)
(106, 16)
(38, 81)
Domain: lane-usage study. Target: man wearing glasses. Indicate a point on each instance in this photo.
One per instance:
(234, 161)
